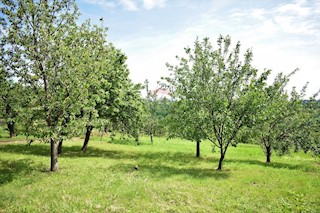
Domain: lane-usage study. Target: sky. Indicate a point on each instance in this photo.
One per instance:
(283, 35)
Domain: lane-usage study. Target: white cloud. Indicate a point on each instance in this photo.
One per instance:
(258, 13)
(237, 13)
(281, 41)
(103, 3)
(149, 4)
(290, 24)
(297, 9)
(130, 5)
(296, 18)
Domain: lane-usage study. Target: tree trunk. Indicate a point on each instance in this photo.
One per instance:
(220, 161)
(87, 138)
(11, 129)
(222, 153)
(60, 147)
(54, 156)
(268, 154)
(198, 149)
(151, 137)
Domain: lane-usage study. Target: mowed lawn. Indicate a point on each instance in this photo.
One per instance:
(169, 178)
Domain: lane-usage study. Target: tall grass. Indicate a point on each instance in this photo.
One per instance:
(169, 178)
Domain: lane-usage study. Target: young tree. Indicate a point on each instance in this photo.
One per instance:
(128, 120)
(155, 113)
(47, 53)
(281, 117)
(307, 137)
(113, 96)
(111, 75)
(225, 90)
(187, 122)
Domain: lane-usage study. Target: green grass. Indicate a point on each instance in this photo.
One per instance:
(169, 178)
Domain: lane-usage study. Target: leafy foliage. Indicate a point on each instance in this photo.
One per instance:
(59, 62)
(9, 102)
(157, 109)
(129, 118)
(225, 91)
(307, 137)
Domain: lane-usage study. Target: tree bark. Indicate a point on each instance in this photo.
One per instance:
(87, 138)
(268, 154)
(11, 128)
(222, 154)
(198, 149)
(54, 156)
(60, 147)
(220, 161)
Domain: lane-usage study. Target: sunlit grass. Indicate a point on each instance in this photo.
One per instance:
(169, 178)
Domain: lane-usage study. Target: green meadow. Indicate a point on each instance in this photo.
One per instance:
(168, 178)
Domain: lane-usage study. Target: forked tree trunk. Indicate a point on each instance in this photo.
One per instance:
(87, 138)
(54, 156)
(11, 129)
(268, 154)
(60, 147)
(198, 149)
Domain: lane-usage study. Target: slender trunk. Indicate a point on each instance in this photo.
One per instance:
(222, 153)
(87, 138)
(54, 156)
(296, 146)
(11, 129)
(198, 149)
(220, 162)
(60, 147)
(268, 154)
(151, 137)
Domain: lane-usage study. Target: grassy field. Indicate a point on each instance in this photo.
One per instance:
(169, 179)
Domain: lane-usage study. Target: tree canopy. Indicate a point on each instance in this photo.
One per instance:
(73, 75)
(223, 89)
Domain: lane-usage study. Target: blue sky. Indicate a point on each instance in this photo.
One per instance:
(283, 35)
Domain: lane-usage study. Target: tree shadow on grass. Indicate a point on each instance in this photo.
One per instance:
(74, 152)
(164, 171)
(156, 164)
(156, 157)
(123, 141)
(9, 170)
(34, 149)
(275, 165)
